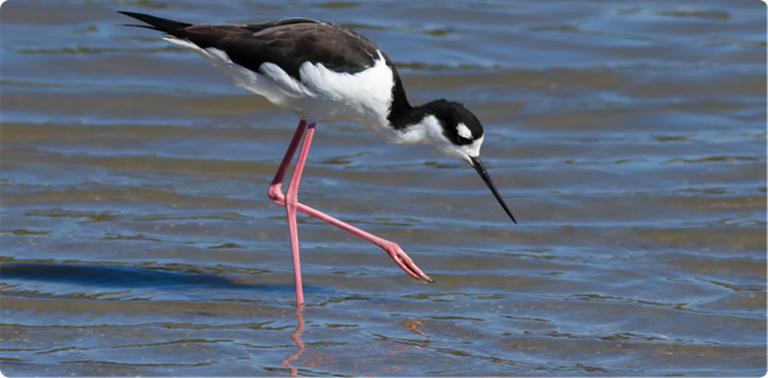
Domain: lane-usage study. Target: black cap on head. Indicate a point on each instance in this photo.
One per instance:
(460, 126)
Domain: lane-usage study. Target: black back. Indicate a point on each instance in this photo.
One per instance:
(287, 43)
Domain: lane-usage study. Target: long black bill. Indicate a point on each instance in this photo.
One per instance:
(480, 168)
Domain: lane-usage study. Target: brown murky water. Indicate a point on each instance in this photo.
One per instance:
(627, 137)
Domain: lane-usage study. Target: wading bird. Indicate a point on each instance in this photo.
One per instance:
(325, 72)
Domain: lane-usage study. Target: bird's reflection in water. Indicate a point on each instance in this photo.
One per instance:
(296, 337)
(388, 348)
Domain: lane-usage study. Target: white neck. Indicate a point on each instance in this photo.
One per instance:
(427, 130)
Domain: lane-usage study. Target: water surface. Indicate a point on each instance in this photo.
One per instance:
(628, 139)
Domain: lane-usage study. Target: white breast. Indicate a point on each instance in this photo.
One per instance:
(322, 94)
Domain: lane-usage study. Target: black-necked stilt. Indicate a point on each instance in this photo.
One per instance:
(325, 72)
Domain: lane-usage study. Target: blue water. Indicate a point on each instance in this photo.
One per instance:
(629, 140)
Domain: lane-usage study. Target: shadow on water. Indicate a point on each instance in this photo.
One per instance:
(111, 277)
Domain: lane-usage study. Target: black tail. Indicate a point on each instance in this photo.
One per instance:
(157, 23)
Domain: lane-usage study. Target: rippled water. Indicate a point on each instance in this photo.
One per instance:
(627, 137)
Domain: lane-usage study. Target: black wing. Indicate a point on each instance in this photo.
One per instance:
(287, 43)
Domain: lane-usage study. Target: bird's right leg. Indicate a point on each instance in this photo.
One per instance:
(275, 193)
(395, 252)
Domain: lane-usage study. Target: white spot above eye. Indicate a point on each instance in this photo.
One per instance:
(464, 131)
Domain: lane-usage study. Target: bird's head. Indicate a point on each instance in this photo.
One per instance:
(457, 133)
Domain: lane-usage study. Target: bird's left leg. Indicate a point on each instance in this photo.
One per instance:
(275, 193)
(291, 204)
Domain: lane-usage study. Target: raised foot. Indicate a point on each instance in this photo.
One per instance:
(402, 260)
(405, 263)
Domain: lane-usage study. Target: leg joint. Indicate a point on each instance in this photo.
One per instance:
(275, 193)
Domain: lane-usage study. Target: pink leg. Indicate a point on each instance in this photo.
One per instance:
(290, 201)
(276, 194)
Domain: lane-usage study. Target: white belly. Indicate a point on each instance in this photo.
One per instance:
(322, 94)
